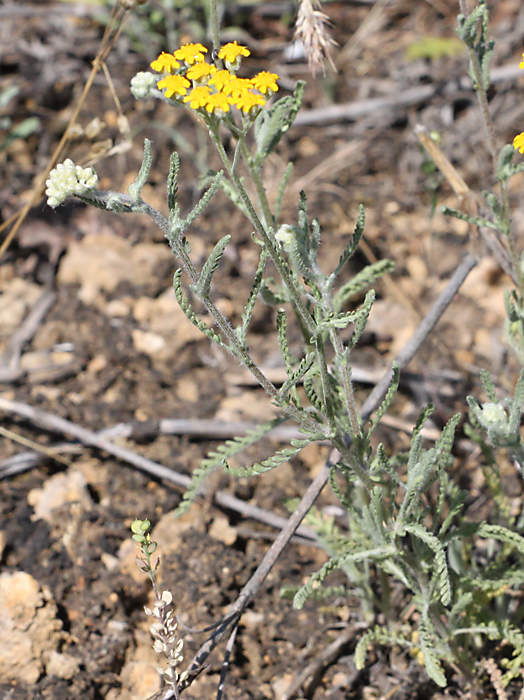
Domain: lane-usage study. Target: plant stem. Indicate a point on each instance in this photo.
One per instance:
(214, 24)
(269, 219)
(272, 249)
(482, 97)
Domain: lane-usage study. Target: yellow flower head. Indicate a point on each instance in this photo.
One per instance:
(200, 72)
(265, 82)
(232, 54)
(218, 103)
(248, 101)
(521, 64)
(165, 62)
(237, 86)
(174, 85)
(198, 97)
(191, 53)
(220, 79)
(518, 142)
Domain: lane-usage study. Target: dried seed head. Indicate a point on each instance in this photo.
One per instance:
(312, 30)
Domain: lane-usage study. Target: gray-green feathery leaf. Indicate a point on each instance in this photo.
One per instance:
(361, 281)
(219, 456)
(203, 285)
(136, 187)
(205, 199)
(191, 315)
(273, 122)
(172, 188)
(355, 240)
(247, 314)
(274, 461)
(431, 660)
(388, 398)
(440, 570)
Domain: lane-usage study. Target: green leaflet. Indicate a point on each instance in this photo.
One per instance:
(351, 247)
(203, 285)
(218, 457)
(275, 460)
(136, 187)
(273, 122)
(191, 315)
(440, 566)
(361, 281)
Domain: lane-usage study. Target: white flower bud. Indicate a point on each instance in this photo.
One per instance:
(143, 84)
(69, 179)
(286, 236)
(493, 414)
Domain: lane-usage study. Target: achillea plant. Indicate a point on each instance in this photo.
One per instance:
(408, 542)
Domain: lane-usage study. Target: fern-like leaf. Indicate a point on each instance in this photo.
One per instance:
(502, 534)
(296, 376)
(431, 660)
(190, 314)
(375, 553)
(218, 458)
(440, 567)
(274, 461)
(388, 399)
(312, 395)
(362, 318)
(361, 281)
(205, 199)
(351, 247)
(379, 636)
(488, 385)
(172, 188)
(274, 122)
(247, 314)
(136, 187)
(201, 288)
(282, 338)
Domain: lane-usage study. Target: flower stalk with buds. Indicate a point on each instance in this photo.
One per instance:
(164, 628)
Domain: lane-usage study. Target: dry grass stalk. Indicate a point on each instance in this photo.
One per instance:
(312, 30)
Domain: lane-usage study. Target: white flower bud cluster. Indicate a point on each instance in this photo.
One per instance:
(143, 84)
(163, 631)
(286, 236)
(69, 179)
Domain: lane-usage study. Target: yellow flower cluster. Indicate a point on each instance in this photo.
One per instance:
(518, 141)
(188, 77)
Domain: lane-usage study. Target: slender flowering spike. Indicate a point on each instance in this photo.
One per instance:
(265, 82)
(232, 55)
(165, 63)
(174, 85)
(518, 142)
(69, 179)
(198, 97)
(191, 53)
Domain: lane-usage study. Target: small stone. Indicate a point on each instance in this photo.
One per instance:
(62, 665)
